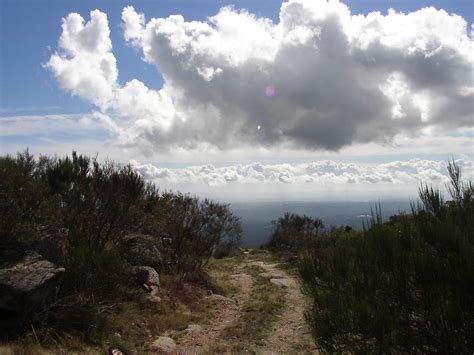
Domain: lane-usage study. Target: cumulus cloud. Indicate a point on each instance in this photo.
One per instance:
(324, 172)
(132, 25)
(319, 78)
(319, 180)
(85, 64)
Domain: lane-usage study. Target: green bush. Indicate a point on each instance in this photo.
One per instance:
(76, 212)
(403, 286)
(24, 202)
(102, 274)
(95, 200)
(292, 232)
(192, 230)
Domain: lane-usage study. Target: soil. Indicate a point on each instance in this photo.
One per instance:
(290, 333)
(226, 312)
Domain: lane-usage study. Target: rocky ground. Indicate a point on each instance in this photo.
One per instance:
(260, 309)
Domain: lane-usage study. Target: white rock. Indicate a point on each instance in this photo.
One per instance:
(269, 275)
(220, 298)
(154, 290)
(153, 299)
(281, 282)
(164, 345)
(194, 329)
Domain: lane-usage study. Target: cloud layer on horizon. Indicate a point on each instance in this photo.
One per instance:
(352, 180)
(320, 78)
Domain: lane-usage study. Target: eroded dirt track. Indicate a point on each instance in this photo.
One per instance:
(227, 311)
(289, 335)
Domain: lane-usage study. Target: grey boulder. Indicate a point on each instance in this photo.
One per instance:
(28, 283)
(145, 275)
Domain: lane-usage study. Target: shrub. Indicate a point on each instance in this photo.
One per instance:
(95, 200)
(99, 274)
(24, 202)
(76, 212)
(292, 232)
(405, 286)
(193, 229)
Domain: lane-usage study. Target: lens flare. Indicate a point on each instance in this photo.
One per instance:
(269, 91)
(259, 127)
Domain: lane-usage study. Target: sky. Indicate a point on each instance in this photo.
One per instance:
(264, 100)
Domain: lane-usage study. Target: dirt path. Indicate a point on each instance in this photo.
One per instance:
(199, 339)
(291, 333)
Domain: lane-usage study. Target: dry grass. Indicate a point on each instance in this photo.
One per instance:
(139, 323)
(219, 271)
(130, 325)
(133, 323)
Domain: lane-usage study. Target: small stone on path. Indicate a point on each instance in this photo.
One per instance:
(194, 329)
(164, 345)
(269, 275)
(220, 298)
(281, 282)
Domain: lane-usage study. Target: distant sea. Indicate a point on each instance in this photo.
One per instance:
(256, 217)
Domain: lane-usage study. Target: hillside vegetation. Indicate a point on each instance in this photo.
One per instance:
(87, 221)
(93, 259)
(404, 286)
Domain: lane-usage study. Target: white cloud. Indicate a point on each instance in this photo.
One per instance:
(132, 24)
(320, 78)
(397, 179)
(37, 125)
(85, 64)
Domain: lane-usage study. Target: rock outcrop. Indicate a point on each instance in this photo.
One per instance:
(28, 283)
